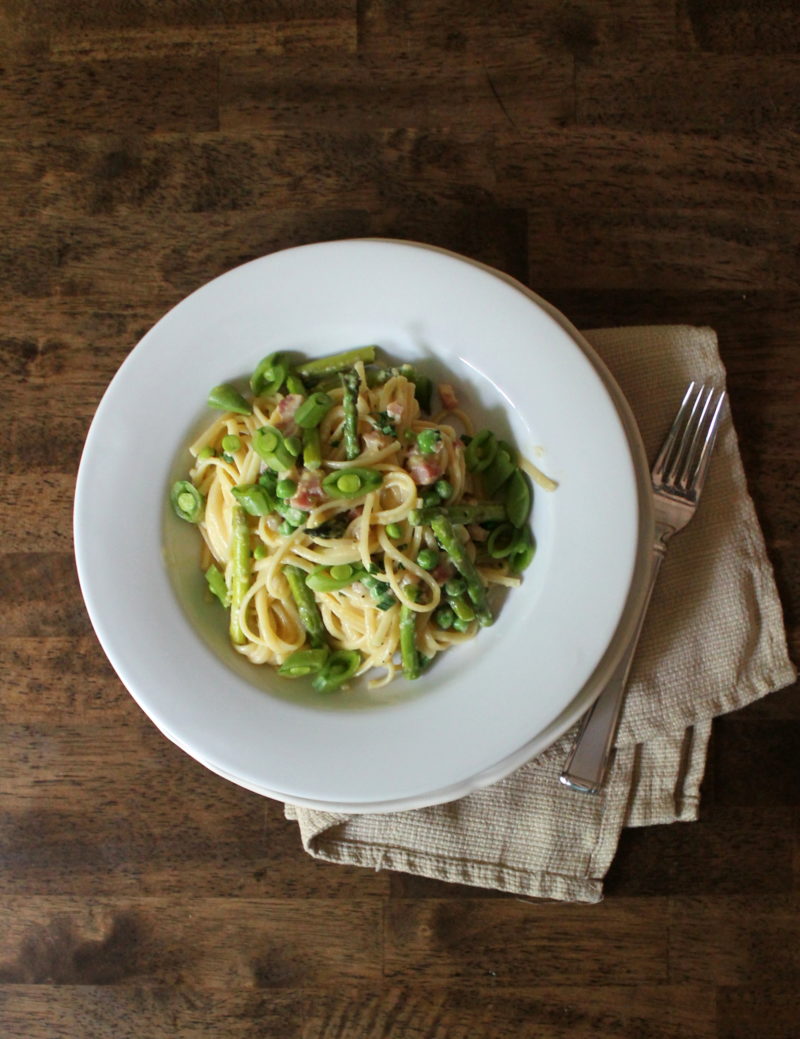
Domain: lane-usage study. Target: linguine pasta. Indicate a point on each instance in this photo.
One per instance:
(332, 543)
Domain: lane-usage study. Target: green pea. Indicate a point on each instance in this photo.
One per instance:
(443, 488)
(225, 398)
(341, 571)
(287, 529)
(260, 551)
(394, 530)
(285, 488)
(206, 452)
(427, 440)
(444, 617)
(349, 483)
(186, 501)
(455, 586)
(460, 625)
(231, 443)
(427, 558)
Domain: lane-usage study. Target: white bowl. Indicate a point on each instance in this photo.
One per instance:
(482, 709)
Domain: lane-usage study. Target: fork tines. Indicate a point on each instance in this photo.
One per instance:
(682, 463)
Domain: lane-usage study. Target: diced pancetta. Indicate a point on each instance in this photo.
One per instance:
(309, 491)
(448, 397)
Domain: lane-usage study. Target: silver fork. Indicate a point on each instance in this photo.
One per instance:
(677, 481)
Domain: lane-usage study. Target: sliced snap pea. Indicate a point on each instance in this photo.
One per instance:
(269, 445)
(186, 501)
(313, 410)
(498, 471)
(351, 482)
(340, 665)
(294, 384)
(518, 498)
(331, 579)
(227, 398)
(501, 541)
(524, 551)
(216, 583)
(254, 499)
(480, 451)
(269, 375)
(304, 662)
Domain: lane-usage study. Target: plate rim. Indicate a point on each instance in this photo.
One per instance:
(583, 697)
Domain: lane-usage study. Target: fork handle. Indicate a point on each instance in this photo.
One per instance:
(587, 764)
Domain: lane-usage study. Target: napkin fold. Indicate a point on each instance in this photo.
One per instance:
(714, 640)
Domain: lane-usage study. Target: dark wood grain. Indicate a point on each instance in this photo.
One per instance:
(633, 163)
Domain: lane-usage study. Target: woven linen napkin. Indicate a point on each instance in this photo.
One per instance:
(713, 641)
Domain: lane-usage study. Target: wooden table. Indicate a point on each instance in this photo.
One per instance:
(633, 162)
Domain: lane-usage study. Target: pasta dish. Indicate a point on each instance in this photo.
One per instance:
(353, 520)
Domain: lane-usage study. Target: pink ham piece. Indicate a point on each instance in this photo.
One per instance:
(309, 491)
(395, 410)
(424, 469)
(286, 412)
(447, 395)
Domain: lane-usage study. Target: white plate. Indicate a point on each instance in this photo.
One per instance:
(482, 709)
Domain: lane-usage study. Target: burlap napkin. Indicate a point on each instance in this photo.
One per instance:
(714, 641)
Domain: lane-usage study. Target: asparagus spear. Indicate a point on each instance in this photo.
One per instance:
(306, 605)
(350, 382)
(240, 569)
(409, 654)
(446, 536)
(478, 512)
(323, 366)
